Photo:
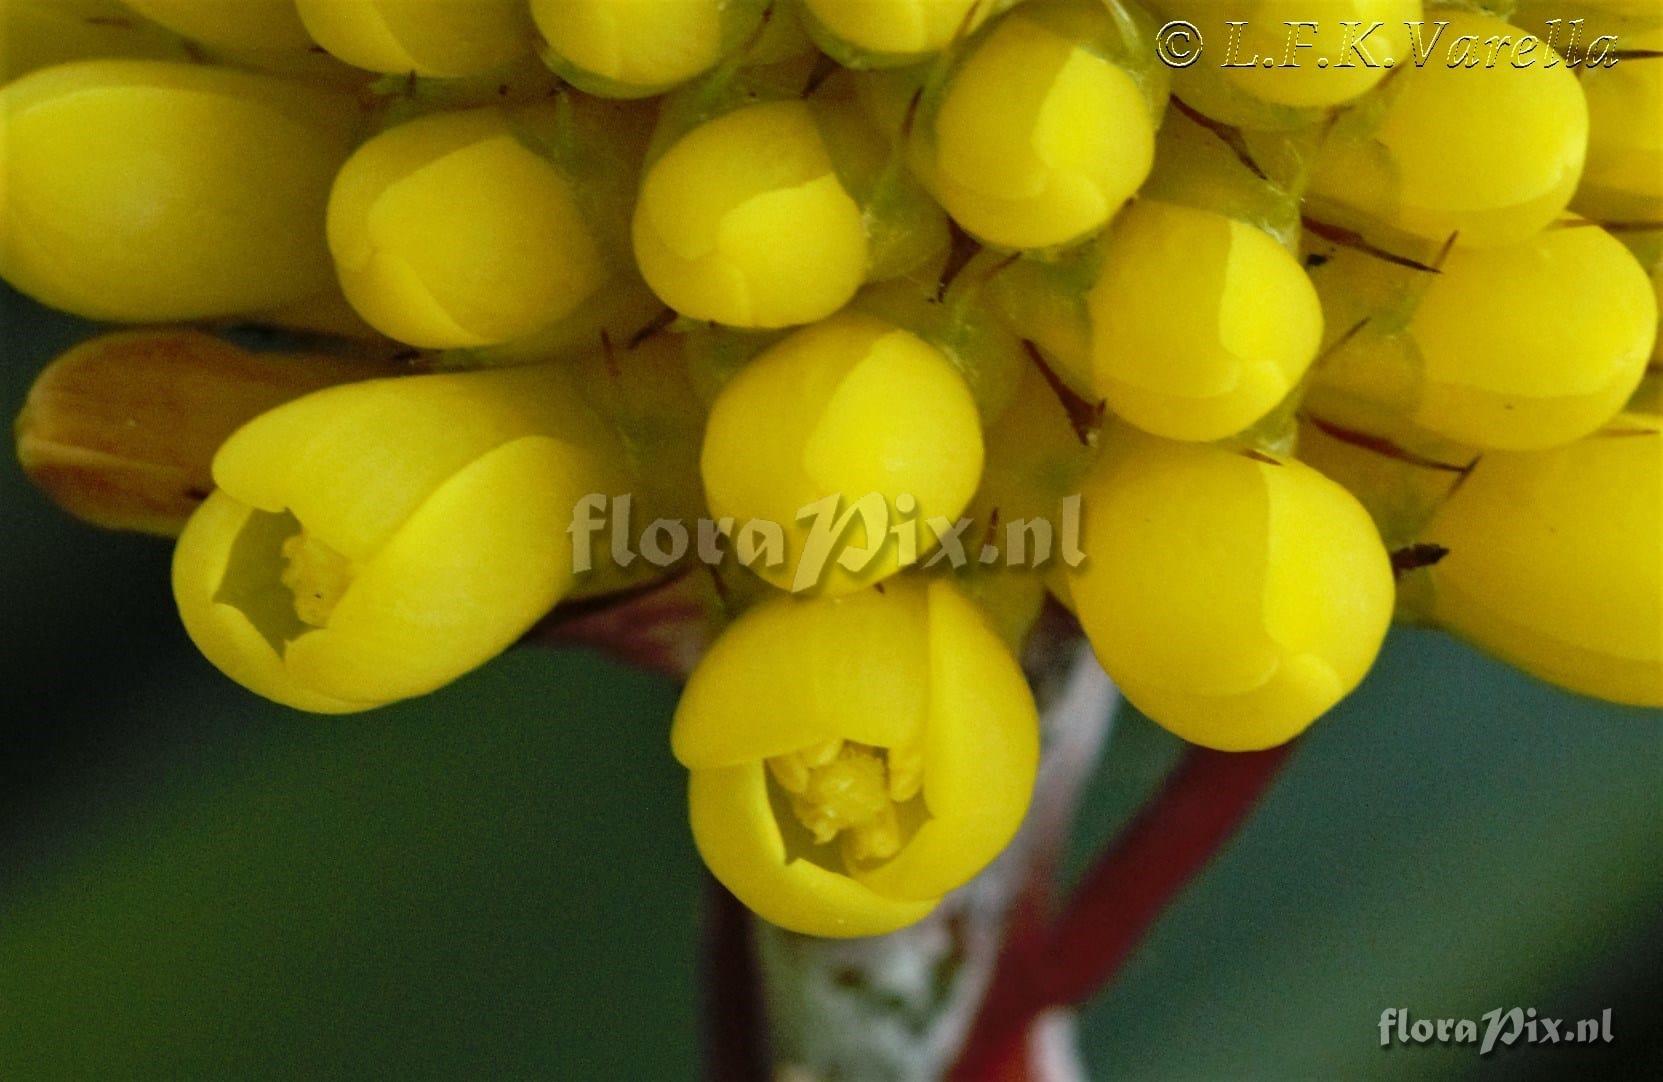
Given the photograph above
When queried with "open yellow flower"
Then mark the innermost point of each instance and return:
(375, 541)
(854, 759)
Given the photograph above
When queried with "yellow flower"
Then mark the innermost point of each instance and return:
(636, 48)
(1513, 348)
(854, 759)
(1192, 324)
(855, 411)
(1555, 561)
(1040, 137)
(881, 33)
(1624, 176)
(745, 221)
(41, 33)
(249, 24)
(1500, 164)
(450, 231)
(145, 191)
(428, 37)
(375, 541)
(1234, 597)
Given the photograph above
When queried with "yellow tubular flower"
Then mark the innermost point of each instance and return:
(144, 191)
(449, 231)
(1555, 561)
(744, 221)
(255, 25)
(1039, 138)
(858, 411)
(636, 48)
(886, 33)
(853, 759)
(375, 541)
(1234, 597)
(428, 37)
(1458, 145)
(1200, 324)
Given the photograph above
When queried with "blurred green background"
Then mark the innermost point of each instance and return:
(497, 880)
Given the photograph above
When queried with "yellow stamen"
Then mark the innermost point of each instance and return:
(317, 575)
(790, 771)
(879, 839)
(906, 773)
(850, 789)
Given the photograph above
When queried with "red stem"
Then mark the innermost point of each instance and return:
(735, 1050)
(1202, 805)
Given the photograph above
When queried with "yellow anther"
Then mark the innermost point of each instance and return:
(906, 773)
(790, 771)
(821, 754)
(837, 787)
(317, 575)
(879, 839)
(847, 792)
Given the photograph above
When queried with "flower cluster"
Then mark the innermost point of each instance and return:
(1314, 349)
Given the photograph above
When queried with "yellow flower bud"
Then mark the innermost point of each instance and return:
(1200, 324)
(853, 759)
(1234, 597)
(1515, 348)
(1623, 179)
(37, 34)
(885, 33)
(744, 221)
(428, 37)
(450, 231)
(1491, 152)
(375, 541)
(1555, 561)
(255, 25)
(636, 48)
(856, 412)
(143, 191)
(1039, 136)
